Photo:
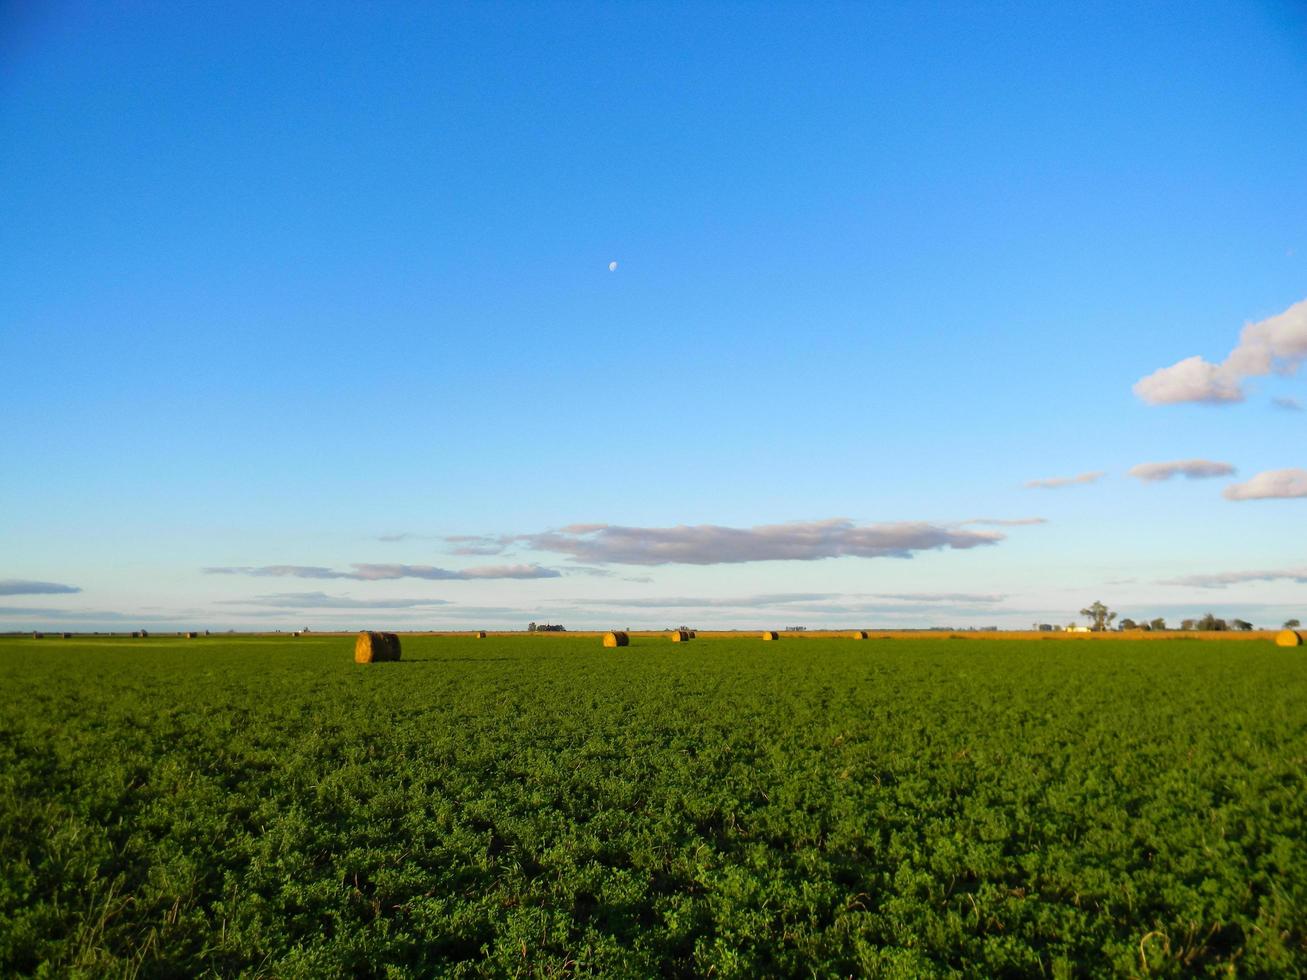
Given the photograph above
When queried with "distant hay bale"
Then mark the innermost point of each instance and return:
(616, 639)
(680, 636)
(192, 635)
(296, 634)
(694, 634)
(372, 648)
(771, 635)
(1288, 638)
(858, 635)
(481, 634)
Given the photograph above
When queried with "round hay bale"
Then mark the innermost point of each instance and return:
(373, 648)
(616, 639)
(771, 635)
(858, 635)
(1288, 638)
(481, 634)
(680, 636)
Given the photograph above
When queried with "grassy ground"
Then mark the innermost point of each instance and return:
(542, 806)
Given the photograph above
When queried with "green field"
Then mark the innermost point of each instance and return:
(542, 806)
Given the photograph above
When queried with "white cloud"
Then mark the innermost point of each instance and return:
(1057, 482)
(1278, 343)
(1273, 484)
(376, 573)
(708, 544)
(1190, 380)
(1287, 404)
(19, 586)
(1190, 469)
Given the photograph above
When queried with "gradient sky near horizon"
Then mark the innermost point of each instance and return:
(307, 317)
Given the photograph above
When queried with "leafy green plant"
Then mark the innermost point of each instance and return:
(502, 806)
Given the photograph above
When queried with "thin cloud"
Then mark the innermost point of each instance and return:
(1278, 344)
(708, 544)
(699, 602)
(1287, 404)
(1005, 521)
(478, 544)
(1220, 580)
(1190, 469)
(385, 572)
(320, 600)
(1058, 482)
(976, 597)
(21, 586)
(1273, 484)
(808, 601)
(53, 616)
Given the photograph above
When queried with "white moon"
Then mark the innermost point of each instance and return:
(612, 266)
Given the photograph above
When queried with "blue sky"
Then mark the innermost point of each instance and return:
(278, 284)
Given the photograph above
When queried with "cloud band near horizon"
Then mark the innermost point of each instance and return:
(710, 544)
(20, 586)
(364, 572)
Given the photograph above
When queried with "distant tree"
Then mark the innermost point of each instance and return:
(1157, 624)
(1099, 616)
(1129, 624)
(1241, 624)
(1187, 624)
(1211, 624)
(1291, 624)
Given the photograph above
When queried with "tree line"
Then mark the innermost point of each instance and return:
(1101, 618)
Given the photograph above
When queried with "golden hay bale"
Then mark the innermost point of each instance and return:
(771, 635)
(372, 648)
(481, 634)
(616, 639)
(680, 636)
(858, 635)
(1288, 638)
